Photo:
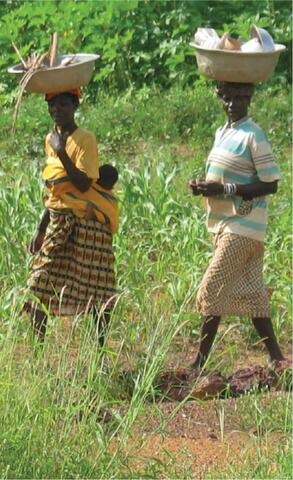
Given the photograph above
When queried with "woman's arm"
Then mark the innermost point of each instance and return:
(257, 189)
(44, 222)
(78, 178)
(38, 238)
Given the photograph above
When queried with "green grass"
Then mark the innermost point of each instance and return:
(264, 464)
(51, 402)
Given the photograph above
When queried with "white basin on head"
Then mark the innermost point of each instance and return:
(60, 78)
(237, 66)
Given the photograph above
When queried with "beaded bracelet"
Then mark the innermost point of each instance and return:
(229, 188)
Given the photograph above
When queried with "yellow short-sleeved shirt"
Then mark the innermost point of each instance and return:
(81, 147)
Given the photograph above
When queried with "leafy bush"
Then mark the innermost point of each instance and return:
(140, 42)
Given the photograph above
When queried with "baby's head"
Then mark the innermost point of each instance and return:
(108, 176)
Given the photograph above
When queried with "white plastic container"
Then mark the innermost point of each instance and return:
(251, 46)
(263, 37)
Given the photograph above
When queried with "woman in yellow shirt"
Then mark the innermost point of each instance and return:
(72, 270)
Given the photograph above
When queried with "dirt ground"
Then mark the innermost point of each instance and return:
(194, 439)
(194, 458)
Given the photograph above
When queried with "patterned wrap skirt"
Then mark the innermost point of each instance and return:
(233, 283)
(74, 270)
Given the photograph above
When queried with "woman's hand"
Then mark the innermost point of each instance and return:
(192, 184)
(58, 140)
(89, 213)
(36, 242)
(209, 189)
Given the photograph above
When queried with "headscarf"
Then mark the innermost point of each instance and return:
(229, 88)
(73, 91)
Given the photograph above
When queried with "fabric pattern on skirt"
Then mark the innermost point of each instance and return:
(73, 271)
(233, 283)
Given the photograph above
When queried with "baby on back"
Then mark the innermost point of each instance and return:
(98, 202)
(106, 181)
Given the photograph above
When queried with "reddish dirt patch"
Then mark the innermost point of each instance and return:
(189, 438)
(196, 456)
(183, 454)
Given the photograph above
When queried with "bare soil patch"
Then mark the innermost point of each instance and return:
(189, 437)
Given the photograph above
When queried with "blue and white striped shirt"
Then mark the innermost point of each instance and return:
(241, 154)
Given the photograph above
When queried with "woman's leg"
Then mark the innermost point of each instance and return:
(208, 332)
(101, 320)
(265, 329)
(39, 323)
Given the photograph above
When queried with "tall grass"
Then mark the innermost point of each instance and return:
(54, 403)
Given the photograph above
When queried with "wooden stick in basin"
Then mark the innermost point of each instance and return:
(54, 49)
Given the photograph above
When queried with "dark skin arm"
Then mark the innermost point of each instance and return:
(257, 189)
(78, 178)
(38, 238)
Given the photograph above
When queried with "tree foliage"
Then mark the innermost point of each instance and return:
(140, 41)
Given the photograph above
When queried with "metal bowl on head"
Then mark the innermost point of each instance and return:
(237, 66)
(61, 77)
(263, 37)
